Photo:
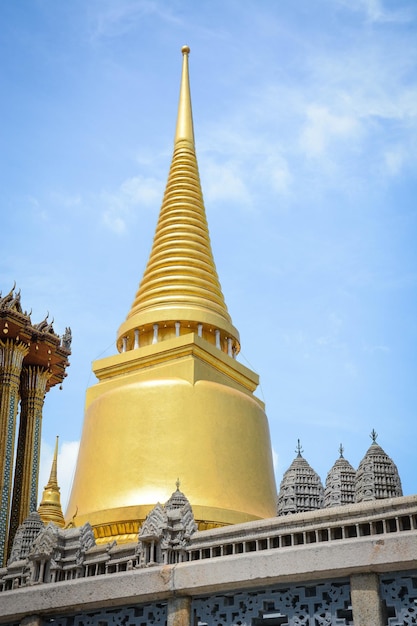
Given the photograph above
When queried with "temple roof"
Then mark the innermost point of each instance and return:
(45, 348)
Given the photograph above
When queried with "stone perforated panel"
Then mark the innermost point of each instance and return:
(399, 592)
(154, 614)
(325, 604)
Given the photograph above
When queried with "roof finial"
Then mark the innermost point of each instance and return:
(177, 484)
(373, 435)
(53, 478)
(299, 449)
(341, 449)
(185, 130)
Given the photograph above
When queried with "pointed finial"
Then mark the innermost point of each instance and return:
(299, 449)
(177, 484)
(185, 129)
(341, 449)
(373, 435)
(53, 478)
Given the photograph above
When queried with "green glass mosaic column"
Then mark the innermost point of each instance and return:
(33, 382)
(12, 354)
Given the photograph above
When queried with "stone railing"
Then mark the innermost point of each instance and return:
(350, 522)
(331, 527)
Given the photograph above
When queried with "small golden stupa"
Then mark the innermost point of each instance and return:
(174, 403)
(50, 507)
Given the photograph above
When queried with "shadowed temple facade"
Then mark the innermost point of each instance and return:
(183, 524)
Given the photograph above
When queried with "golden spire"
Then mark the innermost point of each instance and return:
(180, 284)
(50, 506)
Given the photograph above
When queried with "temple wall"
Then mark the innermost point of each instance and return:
(360, 600)
(351, 565)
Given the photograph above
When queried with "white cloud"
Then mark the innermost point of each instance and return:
(375, 11)
(224, 181)
(323, 127)
(136, 192)
(116, 19)
(274, 169)
(114, 222)
(394, 160)
(65, 200)
(372, 349)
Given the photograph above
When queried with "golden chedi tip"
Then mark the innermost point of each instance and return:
(180, 290)
(50, 507)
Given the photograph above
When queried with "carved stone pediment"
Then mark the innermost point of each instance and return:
(154, 524)
(45, 543)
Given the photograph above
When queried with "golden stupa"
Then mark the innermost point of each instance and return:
(50, 507)
(175, 403)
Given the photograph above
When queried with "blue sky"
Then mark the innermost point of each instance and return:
(305, 124)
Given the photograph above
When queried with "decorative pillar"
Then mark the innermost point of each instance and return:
(12, 354)
(366, 601)
(25, 488)
(179, 612)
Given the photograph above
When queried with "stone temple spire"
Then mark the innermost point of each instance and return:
(180, 290)
(50, 507)
(301, 488)
(340, 483)
(377, 475)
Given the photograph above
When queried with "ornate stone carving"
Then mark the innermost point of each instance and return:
(87, 539)
(340, 483)
(377, 475)
(301, 488)
(166, 531)
(45, 543)
(25, 537)
(67, 339)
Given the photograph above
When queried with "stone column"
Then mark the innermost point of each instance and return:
(179, 612)
(12, 354)
(366, 601)
(25, 489)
